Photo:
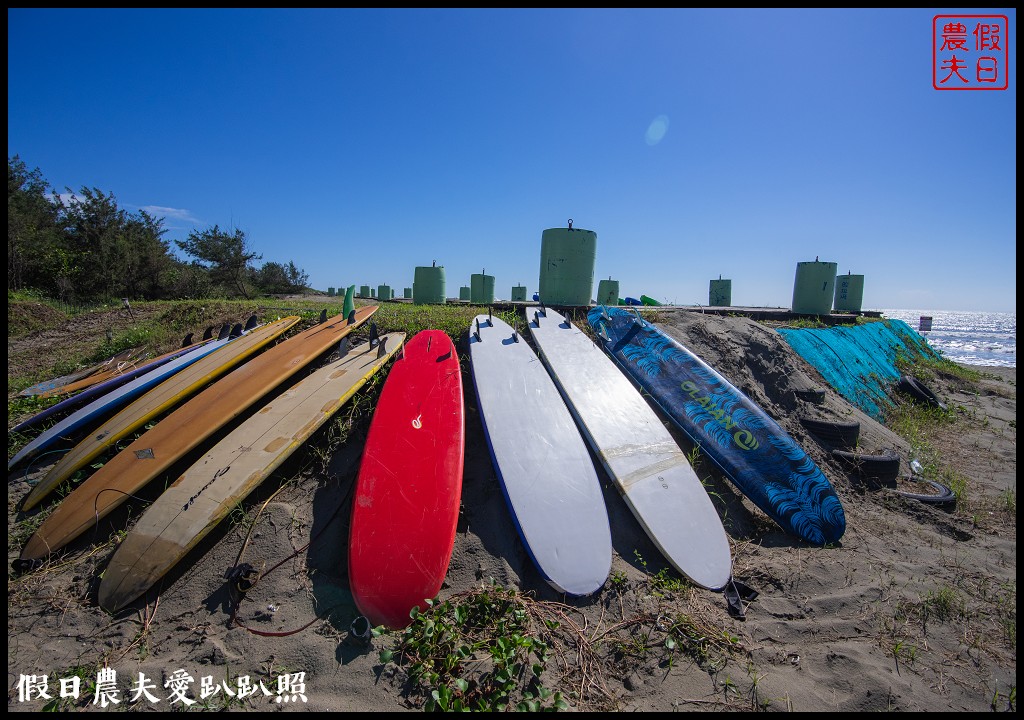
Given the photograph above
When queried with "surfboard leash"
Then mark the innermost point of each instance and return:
(243, 576)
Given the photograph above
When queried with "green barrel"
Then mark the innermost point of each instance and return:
(428, 286)
(849, 293)
(567, 257)
(608, 292)
(720, 293)
(481, 289)
(814, 287)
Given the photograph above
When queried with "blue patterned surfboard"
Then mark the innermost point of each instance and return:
(753, 451)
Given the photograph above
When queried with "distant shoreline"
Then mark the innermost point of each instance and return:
(1002, 371)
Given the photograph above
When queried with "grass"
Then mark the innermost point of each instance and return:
(483, 650)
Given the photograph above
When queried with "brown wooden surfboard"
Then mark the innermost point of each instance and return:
(182, 431)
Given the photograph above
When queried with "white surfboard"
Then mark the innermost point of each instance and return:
(546, 472)
(650, 470)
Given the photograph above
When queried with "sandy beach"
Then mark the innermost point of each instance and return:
(914, 610)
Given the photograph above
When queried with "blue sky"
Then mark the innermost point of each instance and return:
(360, 144)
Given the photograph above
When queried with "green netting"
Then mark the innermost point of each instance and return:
(860, 361)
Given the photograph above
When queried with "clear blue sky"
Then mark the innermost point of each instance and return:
(360, 144)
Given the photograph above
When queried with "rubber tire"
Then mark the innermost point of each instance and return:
(944, 495)
(841, 434)
(881, 469)
(919, 391)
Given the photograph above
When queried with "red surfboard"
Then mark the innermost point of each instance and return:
(406, 503)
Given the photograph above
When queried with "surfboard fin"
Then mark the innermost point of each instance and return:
(536, 318)
(477, 333)
(343, 348)
(236, 331)
(374, 334)
(490, 322)
(351, 317)
(187, 341)
(737, 593)
(241, 576)
(323, 316)
(381, 347)
(252, 322)
(209, 333)
(224, 332)
(602, 332)
(515, 330)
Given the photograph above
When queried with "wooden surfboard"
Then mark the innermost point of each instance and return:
(101, 388)
(112, 370)
(58, 383)
(406, 503)
(546, 473)
(639, 454)
(163, 388)
(753, 451)
(234, 467)
(82, 418)
(183, 430)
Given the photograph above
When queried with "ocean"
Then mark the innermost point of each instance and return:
(969, 338)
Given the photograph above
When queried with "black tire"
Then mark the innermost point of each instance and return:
(943, 495)
(881, 469)
(841, 434)
(916, 389)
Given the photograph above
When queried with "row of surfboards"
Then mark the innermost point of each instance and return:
(538, 413)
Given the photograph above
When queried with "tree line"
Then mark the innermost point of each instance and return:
(82, 247)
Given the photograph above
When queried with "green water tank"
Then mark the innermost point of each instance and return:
(383, 292)
(518, 293)
(330, 292)
(567, 257)
(608, 292)
(407, 293)
(464, 293)
(481, 289)
(814, 287)
(364, 291)
(428, 286)
(720, 293)
(373, 292)
(849, 293)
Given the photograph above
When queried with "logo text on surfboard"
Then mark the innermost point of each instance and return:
(743, 438)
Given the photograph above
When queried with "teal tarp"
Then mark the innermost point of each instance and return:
(860, 361)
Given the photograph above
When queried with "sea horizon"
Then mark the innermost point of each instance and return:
(967, 337)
